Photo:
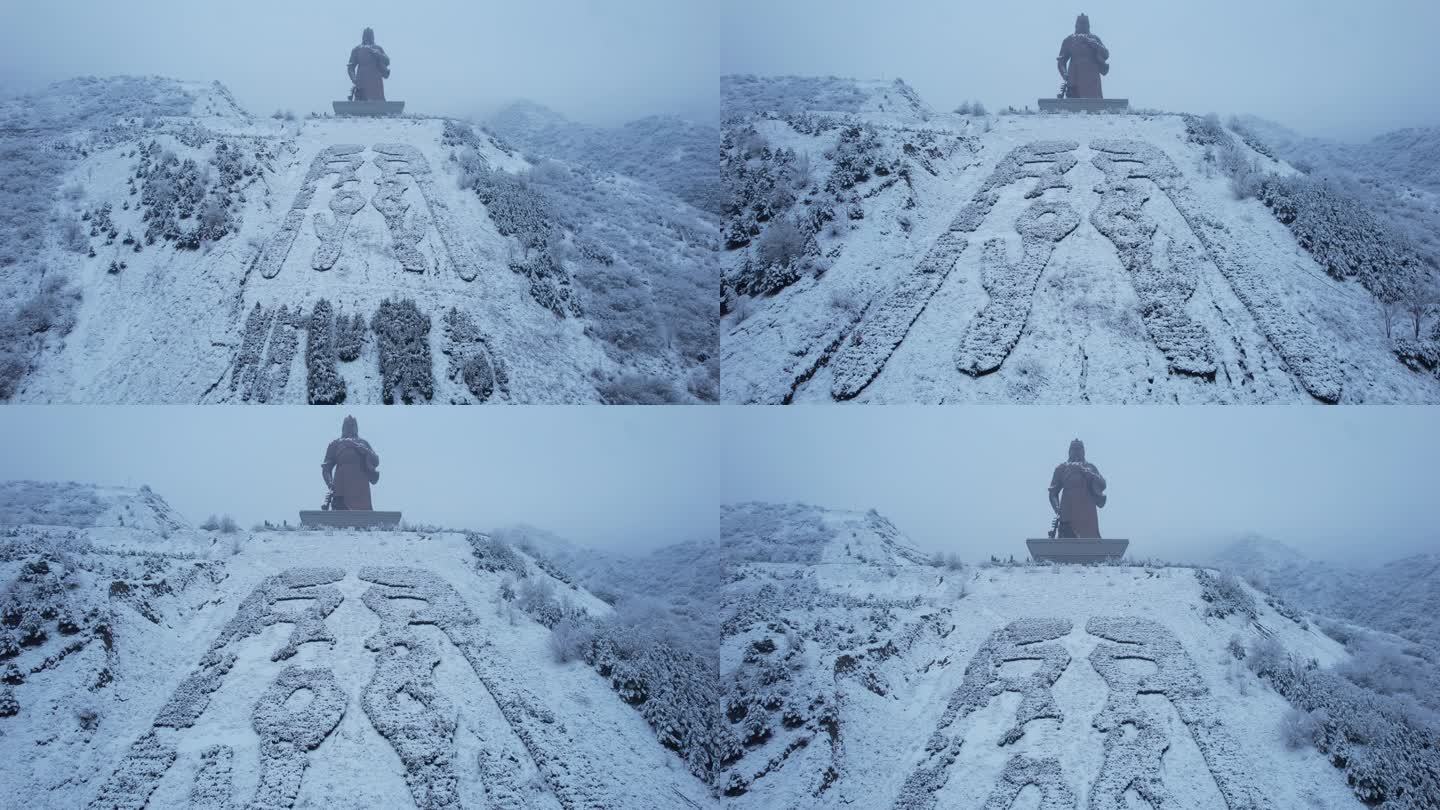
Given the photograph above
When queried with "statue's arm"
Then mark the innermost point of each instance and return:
(327, 467)
(1062, 62)
(353, 64)
(1055, 490)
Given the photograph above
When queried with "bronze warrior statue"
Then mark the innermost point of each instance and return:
(350, 467)
(369, 68)
(1076, 490)
(1082, 62)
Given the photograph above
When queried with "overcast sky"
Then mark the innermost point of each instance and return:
(625, 479)
(597, 61)
(1335, 483)
(1324, 67)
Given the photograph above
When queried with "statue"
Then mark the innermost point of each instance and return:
(369, 68)
(1076, 490)
(1082, 62)
(349, 469)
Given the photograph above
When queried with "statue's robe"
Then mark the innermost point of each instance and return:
(1082, 55)
(1082, 491)
(352, 461)
(370, 66)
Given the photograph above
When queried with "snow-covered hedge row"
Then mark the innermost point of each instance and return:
(473, 360)
(1384, 743)
(872, 341)
(402, 335)
(1307, 358)
(1163, 291)
(1022, 639)
(1343, 235)
(1136, 735)
(996, 328)
(323, 383)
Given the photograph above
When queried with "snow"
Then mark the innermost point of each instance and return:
(1209, 300)
(354, 212)
(887, 684)
(319, 668)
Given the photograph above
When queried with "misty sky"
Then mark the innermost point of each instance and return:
(1347, 70)
(625, 479)
(1336, 483)
(596, 61)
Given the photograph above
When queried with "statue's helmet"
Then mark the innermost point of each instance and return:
(367, 37)
(1077, 450)
(349, 429)
(1082, 24)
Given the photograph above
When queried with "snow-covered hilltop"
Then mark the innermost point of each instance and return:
(163, 245)
(853, 678)
(420, 667)
(879, 251)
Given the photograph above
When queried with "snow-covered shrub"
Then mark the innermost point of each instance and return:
(1385, 744)
(402, 335)
(1343, 235)
(1301, 729)
(570, 640)
(49, 312)
(970, 108)
(349, 337)
(1225, 595)
(639, 389)
(324, 384)
(472, 359)
(536, 596)
(494, 555)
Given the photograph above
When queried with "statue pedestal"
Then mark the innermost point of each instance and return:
(1086, 105)
(1077, 550)
(349, 518)
(368, 108)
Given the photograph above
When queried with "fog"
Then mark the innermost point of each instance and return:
(1335, 69)
(624, 479)
(1342, 484)
(597, 62)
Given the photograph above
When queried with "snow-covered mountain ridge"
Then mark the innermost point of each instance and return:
(882, 252)
(166, 246)
(308, 668)
(854, 681)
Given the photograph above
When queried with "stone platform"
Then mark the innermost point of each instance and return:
(1087, 105)
(1077, 550)
(349, 518)
(370, 108)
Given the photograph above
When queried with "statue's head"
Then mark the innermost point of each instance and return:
(367, 37)
(1077, 450)
(1082, 24)
(349, 429)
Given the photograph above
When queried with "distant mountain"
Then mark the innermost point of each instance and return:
(84, 506)
(1400, 597)
(668, 152)
(748, 95)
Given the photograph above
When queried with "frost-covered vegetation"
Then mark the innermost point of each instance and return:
(402, 334)
(667, 152)
(656, 648)
(1370, 716)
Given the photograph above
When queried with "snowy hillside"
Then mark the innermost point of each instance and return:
(881, 252)
(83, 506)
(668, 152)
(307, 668)
(864, 680)
(162, 245)
(1400, 596)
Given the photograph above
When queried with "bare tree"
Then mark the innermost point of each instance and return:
(1389, 311)
(1419, 299)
